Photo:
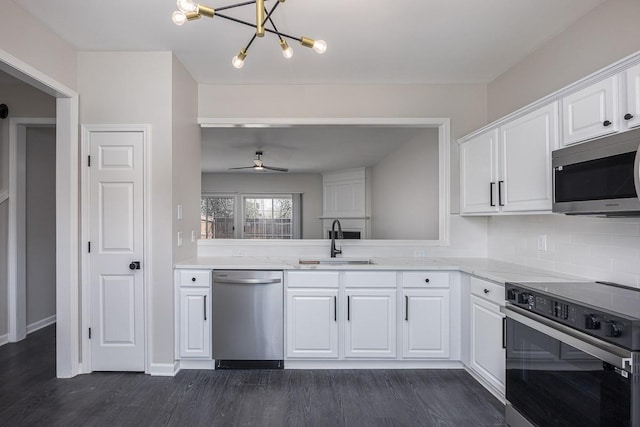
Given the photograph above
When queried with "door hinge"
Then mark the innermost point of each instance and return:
(89, 333)
(89, 161)
(89, 247)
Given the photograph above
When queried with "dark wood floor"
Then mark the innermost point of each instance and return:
(30, 395)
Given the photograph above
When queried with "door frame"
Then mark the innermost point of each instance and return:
(16, 244)
(86, 130)
(67, 226)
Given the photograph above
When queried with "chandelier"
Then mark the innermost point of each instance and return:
(188, 10)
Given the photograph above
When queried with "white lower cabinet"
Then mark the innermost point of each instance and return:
(312, 323)
(195, 323)
(370, 328)
(487, 353)
(425, 325)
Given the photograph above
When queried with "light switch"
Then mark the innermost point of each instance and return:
(179, 238)
(193, 236)
(179, 211)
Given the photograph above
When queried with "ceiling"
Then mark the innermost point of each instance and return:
(305, 149)
(369, 41)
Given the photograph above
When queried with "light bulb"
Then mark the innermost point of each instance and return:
(320, 46)
(178, 17)
(187, 6)
(237, 62)
(287, 52)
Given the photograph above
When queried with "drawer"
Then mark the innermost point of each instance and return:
(194, 278)
(313, 279)
(425, 279)
(487, 290)
(370, 279)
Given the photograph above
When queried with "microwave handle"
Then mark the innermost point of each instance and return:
(636, 171)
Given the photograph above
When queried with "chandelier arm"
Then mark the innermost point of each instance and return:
(231, 6)
(246, 49)
(248, 24)
(273, 24)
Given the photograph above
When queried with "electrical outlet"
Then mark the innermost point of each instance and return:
(179, 238)
(542, 242)
(420, 253)
(179, 211)
(193, 236)
(237, 253)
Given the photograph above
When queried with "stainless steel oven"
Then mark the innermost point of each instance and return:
(570, 361)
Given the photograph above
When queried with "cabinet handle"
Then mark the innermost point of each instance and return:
(500, 184)
(606, 123)
(426, 280)
(205, 307)
(628, 116)
(504, 332)
(406, 308)
(486, 291)
(193, 279)
(348, 308)
(491, 184)
(335, 308)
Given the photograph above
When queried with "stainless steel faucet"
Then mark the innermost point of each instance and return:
(335, 251)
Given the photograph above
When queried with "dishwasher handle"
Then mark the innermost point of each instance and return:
(247, 281)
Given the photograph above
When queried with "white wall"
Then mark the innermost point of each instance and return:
(606, 34)
(464, 104)
(404, 191)
(25, 38)
(310, 185)
(136, 88)
(186, 159)
(40, 223)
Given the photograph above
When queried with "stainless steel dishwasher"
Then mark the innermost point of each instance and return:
(248, 319)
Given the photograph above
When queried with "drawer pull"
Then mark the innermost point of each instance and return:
(426, 280)
(606, 123)
(193, 279)
(486, 291)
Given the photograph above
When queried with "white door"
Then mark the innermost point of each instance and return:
(371, 323)
(195, 323)
(631, 115)
(116, 240)
(478, 170)
(525, 161)
(591, 112)
(487, 353)
(425, 327)
(312, 323)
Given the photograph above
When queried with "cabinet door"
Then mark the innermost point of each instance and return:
(591, 112)
(370, 329)
(525, 161)
(312, 323)
(195, 323)
(425, 325)
(486, 352)
(631, 115)
(478, 173)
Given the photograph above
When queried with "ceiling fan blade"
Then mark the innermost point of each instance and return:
(246, 167)
(272, 168)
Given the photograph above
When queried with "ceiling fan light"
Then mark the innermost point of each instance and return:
(187, 6)
(287, 52)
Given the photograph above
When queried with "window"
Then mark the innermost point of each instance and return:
(217, 217)
(261, 216)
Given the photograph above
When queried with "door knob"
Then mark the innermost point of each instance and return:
(135, 265)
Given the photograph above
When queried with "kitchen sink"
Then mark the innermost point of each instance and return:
(335, 261)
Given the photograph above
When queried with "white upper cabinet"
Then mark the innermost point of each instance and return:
(508, 169)
(525, 147)
(478, 174)
(591, 112)
(631, 115)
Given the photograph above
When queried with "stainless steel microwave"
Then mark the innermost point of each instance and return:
(599, 177)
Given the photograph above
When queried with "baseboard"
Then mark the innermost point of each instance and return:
(498, 394)
(164, 369)
(197, 364)
(4, 339)
(36, 326)
(372, 364)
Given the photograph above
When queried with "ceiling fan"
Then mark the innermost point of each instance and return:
(259, 165)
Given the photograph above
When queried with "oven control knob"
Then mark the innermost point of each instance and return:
(511, 294)
(591, 321)
(612, 329)
(523, 298)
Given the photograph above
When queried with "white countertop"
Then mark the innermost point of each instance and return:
(485, 268)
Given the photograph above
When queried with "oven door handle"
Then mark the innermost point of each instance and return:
(602, 350)
(636, 171)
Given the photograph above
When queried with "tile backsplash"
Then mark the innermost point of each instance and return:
(594, 248)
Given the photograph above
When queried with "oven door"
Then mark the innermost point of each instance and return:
(554, 379)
